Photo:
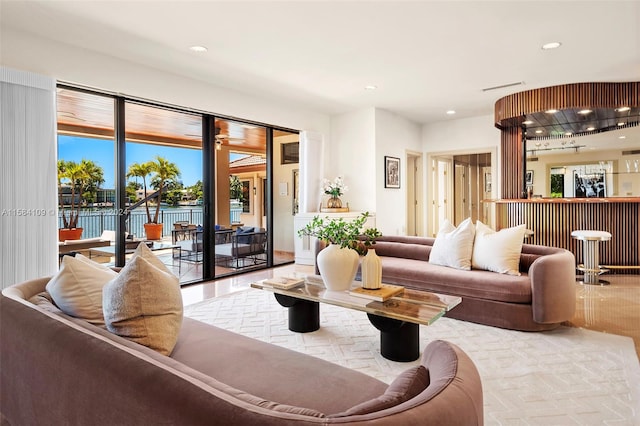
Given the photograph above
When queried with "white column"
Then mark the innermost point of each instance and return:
(28, 176)
(311, 170)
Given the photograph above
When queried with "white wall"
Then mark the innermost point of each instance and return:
(359, 142)
(462, 134)
(395, 135)
(351, 154)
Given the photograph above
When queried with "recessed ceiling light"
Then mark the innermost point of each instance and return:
(584, 111)
(623, 109)
(370, 87)
(551, 111)
(622, 137)
(451, 112)
(590, 129)
(568, 134)
(198, 49)
(527, 122)
(538, 131)
(552, 45)
(621, 124)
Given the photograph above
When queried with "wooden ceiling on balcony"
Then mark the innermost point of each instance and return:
(90, 115)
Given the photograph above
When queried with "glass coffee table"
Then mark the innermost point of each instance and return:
(397, 318)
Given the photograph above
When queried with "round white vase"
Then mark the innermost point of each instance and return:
(338, 267)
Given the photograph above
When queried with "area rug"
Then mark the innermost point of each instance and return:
(568, 376)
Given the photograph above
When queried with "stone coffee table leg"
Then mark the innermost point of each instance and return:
(399, 340)
(304, 315)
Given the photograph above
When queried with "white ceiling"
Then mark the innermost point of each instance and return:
(426, 57)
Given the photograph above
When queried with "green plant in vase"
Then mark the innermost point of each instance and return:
(338, 262)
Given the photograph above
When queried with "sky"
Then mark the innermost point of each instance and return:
(101, 152)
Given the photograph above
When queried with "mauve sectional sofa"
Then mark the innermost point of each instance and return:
(541, 298)
(60, 370)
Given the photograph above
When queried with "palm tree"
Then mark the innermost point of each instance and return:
(142, 171)
(164, 172)
(94, 177)
(83, 177)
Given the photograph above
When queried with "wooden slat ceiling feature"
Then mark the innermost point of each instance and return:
(603, 100)
(570, 122)
(91, 115)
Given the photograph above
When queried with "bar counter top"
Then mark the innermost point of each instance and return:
(537, 200)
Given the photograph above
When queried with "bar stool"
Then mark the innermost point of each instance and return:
(591, 266)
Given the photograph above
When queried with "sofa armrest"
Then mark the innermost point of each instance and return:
(553, 287)
(452, 396)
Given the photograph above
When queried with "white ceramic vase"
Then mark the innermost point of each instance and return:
(371, 268)
(337, 266)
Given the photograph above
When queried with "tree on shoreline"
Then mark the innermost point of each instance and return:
(84, 179)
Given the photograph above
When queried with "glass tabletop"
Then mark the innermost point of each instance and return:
(416, 306)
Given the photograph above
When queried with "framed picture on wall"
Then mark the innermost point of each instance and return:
(529, 177)
(590, 185)
(391, 172)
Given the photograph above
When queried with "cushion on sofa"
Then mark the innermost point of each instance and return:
(498, 251)
(243, 234)
(144, 303)
(406, 386)
(77, 288)
(453, 246)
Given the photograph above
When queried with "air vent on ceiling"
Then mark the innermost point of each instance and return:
(532, 159)
(503, 86)
(632, 152)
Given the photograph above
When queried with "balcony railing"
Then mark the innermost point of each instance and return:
(95, 221)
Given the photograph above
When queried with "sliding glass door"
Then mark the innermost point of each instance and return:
(219, 193)
(164, 186)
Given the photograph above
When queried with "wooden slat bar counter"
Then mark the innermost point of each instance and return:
(553, 219)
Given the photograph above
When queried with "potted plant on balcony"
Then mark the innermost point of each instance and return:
(83, 179)
(162, 172)
(338, 262)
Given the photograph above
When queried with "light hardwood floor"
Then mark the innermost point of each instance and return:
(613, 308)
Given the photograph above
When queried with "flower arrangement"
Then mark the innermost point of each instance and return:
(335, 188)
(340, 232)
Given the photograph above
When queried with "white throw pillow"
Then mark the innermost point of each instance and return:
(144, 303)
(498, 251)
(77, 288)
(453, 246)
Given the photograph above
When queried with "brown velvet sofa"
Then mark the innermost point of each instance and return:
(540, 299)
(60, 370)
